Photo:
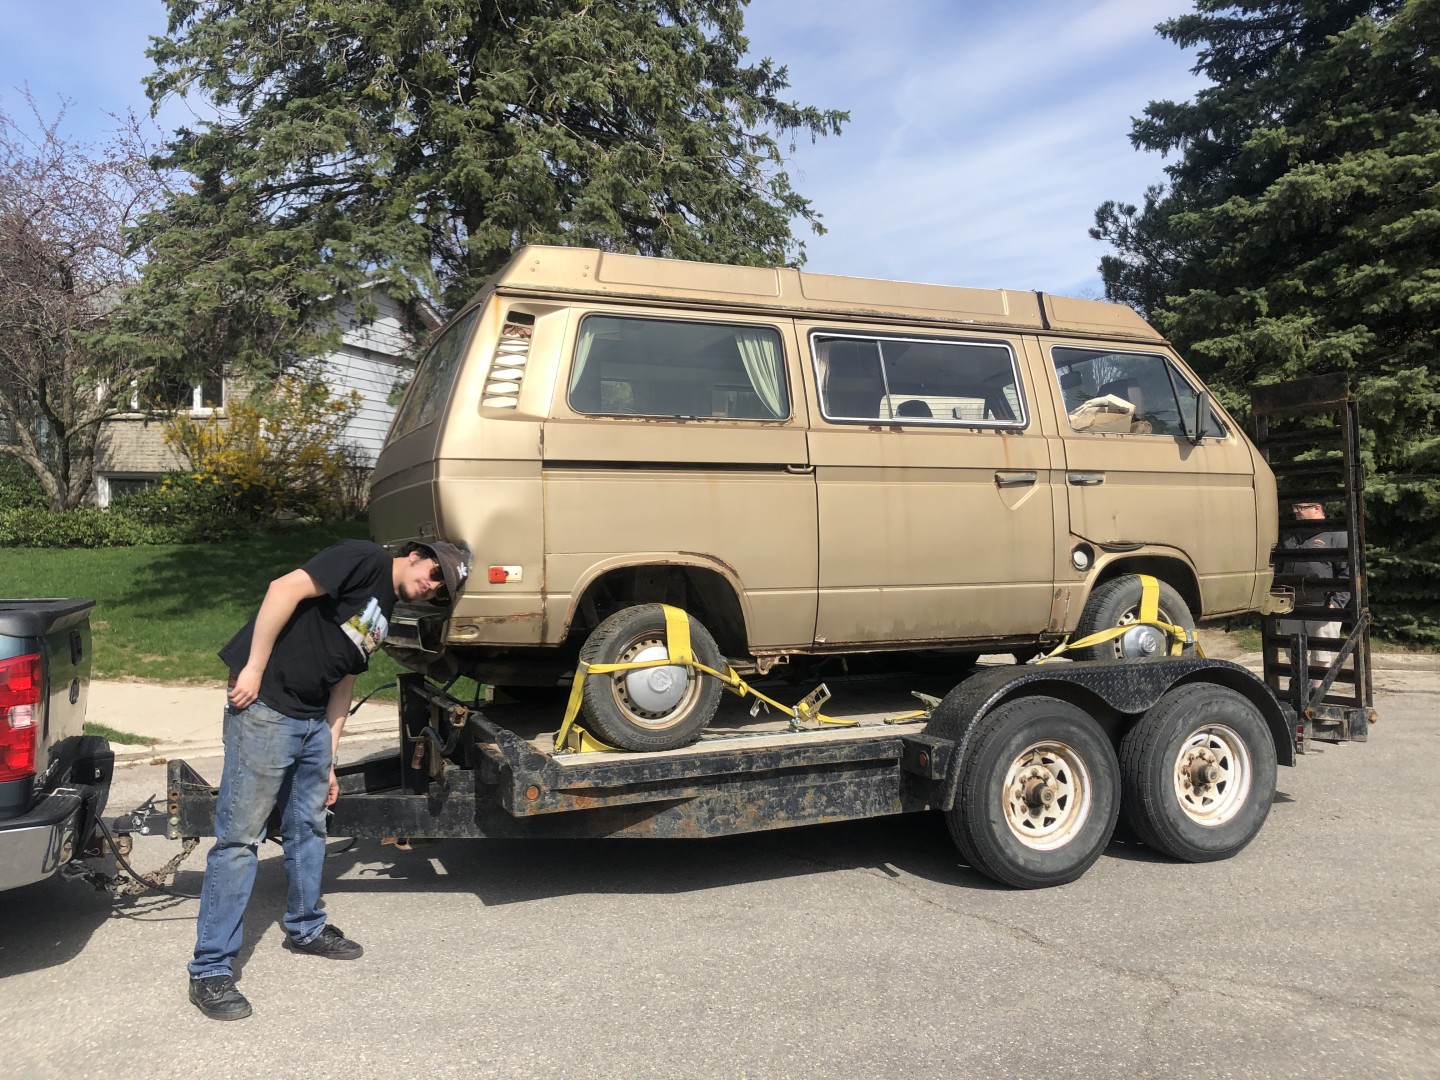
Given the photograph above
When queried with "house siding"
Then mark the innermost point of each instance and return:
(374, 356)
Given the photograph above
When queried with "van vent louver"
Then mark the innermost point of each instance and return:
(507, 369)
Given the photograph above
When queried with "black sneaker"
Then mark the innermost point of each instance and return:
(329, 943)
(218, 999)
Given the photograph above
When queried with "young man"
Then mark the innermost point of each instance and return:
(292, 674)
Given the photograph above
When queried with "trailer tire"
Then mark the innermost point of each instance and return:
(1117, 603)
(658, 708)
(1198, 773)
(1003, 821)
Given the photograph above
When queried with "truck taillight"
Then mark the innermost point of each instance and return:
(21, 680)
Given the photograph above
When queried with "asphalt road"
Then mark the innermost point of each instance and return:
(849, 951)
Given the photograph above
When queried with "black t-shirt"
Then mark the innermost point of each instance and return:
(328, 637)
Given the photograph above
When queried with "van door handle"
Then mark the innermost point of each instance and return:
(800, 469)
(1014, 479)
(1085, 479)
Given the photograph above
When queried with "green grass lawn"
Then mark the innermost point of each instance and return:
(161, 612)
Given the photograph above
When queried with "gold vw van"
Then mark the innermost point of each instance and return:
(808, 465)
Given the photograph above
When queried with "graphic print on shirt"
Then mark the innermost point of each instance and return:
(368, 628)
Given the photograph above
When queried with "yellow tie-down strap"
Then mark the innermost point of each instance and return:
(1148, 615)
(804, 715)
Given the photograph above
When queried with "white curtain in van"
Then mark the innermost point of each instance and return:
(582, 355)
(761, 356)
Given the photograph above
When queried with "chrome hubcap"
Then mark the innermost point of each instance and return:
(652, 692)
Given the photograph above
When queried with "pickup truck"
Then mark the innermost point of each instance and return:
(54, 779)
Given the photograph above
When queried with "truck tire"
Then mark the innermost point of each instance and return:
(1039, 794)
(1117, 603)
(1198, 773)
(656, 708)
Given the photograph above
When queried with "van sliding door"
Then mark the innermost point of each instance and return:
(933, 483)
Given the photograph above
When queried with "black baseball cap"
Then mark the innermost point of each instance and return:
(454, 562)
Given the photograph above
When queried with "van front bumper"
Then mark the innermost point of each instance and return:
(34, 845)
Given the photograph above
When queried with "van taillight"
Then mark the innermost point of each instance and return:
(20, 685)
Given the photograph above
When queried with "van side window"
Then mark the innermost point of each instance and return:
(431, 385)
(663, 367)
(914, 381)
(1127, 392)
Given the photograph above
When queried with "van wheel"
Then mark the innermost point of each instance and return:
(1198, 772)
(656, 708)
(1039, 794)
(1117, 603)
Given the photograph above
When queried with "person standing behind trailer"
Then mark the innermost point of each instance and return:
(292, 677)
(1313, 593)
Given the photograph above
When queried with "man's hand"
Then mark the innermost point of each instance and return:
(334, 792)
(247, 686)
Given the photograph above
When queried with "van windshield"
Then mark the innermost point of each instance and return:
(433, 378)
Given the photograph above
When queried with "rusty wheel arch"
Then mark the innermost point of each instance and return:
(702, 591)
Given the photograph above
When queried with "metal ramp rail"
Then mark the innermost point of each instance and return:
(1308, 430)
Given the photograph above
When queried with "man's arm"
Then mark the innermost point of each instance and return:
(281, 599)
(336, 712)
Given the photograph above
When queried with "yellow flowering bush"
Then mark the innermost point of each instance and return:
(278, 453)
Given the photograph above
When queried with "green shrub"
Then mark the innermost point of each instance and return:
(184, 509)
(187, 511)
(19, 490)
(86, 528)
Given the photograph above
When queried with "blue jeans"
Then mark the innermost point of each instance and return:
(270, 759)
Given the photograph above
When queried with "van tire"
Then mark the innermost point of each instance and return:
(1042, 743)
(1116, 603)
(647, 709)
(1163, 801)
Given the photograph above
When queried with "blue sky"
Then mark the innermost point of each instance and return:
(982, 135)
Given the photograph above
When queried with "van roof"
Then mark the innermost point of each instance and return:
(570, 271)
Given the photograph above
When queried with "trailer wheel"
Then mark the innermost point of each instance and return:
(1039, 794)
(656, 708)
(1117, 603)
(1198, 773)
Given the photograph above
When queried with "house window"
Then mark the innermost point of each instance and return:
(111, 488)
(177, 395)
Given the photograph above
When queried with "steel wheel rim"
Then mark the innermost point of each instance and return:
(1038, 822)
(652, 697)
(1212, 775)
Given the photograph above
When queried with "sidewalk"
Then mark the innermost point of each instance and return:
(187, 719)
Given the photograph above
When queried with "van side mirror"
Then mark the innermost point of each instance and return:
(1202, 417)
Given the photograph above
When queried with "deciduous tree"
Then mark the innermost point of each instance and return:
(65, 208)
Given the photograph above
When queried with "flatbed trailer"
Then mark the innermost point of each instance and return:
(1030, 764)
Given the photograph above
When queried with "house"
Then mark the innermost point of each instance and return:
(375, 358)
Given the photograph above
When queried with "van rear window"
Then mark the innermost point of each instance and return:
(434, 376)
(625, 366)
(916, 381)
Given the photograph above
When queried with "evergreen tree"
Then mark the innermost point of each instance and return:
(424, 140)
(1297, 233)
